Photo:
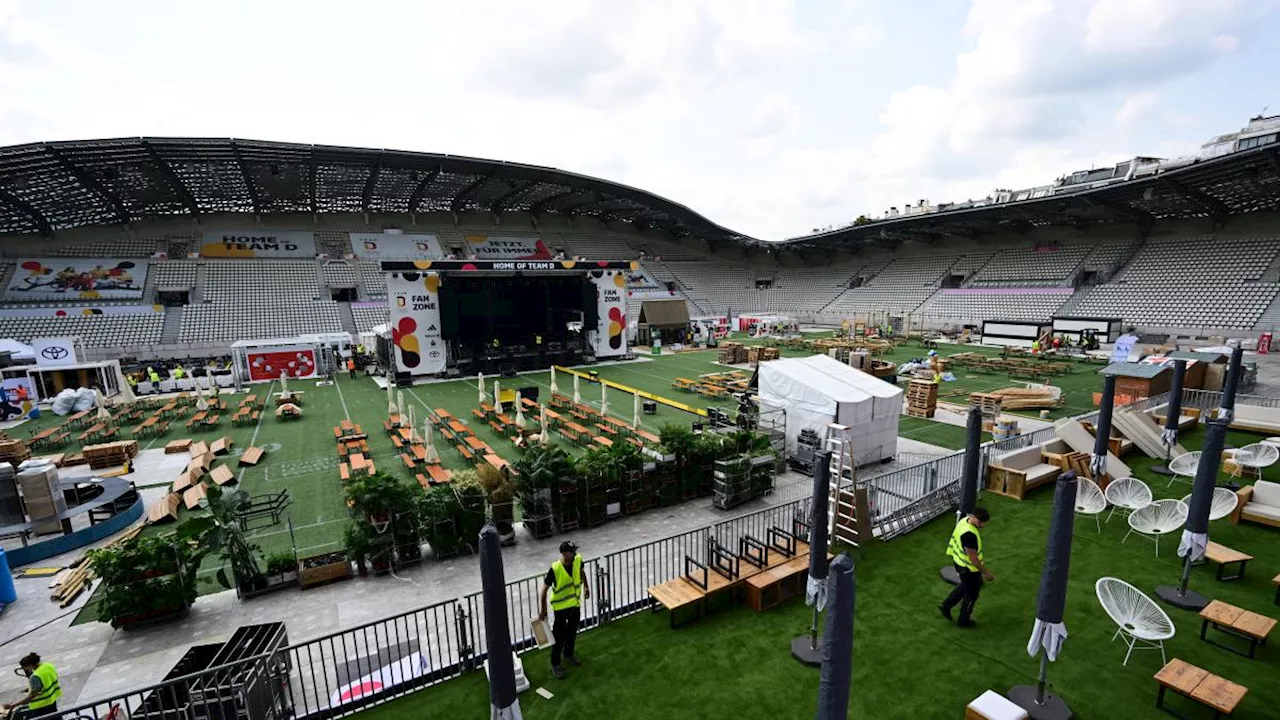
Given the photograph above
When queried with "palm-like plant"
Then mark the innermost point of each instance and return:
(219, 532)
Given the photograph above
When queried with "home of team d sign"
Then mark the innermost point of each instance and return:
(256, 243)
(259, 244)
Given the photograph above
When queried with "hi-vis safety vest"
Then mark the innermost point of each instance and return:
(956, 551)
(568, 588)
(50, 691)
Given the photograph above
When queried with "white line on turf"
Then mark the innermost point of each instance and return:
(338, 384)
(256, 428)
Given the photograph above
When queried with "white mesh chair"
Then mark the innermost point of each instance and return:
(1137, 617)
(1184, 467)
(1159, 518)
(1224, 503)
(1126, 495)
(1254, 458)
(1090, 500)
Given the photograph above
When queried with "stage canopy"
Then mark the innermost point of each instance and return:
(818, 390)
(664, 314)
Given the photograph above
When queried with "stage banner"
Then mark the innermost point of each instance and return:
(48, 312)
(415, 322)
(79, 278)
(296, 361)
(485, 247)
(258, 244)
(611, 306)
(380, 246)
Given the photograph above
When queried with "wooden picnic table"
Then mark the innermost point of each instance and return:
(458, 427)
(358, 462)
(406, 434)
(200, 416)
(443, 414)
(528, 403)
(580, 430)
(474, 442)
(78, 419)
(419, 453)
(603, 441)
(496, 461)
(347, 426)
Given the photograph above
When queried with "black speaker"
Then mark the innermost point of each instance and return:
(529, 393)
(590, 311)
(448, 313)
(404, 379)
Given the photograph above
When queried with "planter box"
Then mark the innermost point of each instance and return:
(275, 583)
(147, 619)
(321, 569)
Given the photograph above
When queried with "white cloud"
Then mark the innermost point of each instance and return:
(1137, 107)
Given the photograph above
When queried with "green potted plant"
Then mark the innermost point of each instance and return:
(282, 569)
(538, 472)
(146, 579)
(219, 531)
(438, 511)
(382, 509)
(472, 499)
(501, 491)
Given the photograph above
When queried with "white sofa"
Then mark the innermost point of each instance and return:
(1259, 502)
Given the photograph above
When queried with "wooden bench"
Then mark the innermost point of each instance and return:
(478, 414)
(466, 453)
(252, 455)
(1237, 622)
(344, 471)
(439, 476)
(255, 416)
(1223, 557)
(1214, 692)
(408, 461)
(1276, 581)
(700, 581)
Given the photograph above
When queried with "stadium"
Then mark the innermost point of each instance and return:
(262, 397)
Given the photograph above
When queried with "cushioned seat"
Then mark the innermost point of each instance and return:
(991, 705)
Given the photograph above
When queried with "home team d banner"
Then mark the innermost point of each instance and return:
(79, 278)
(258, 244)
(415, 322)
(485, 247)
(380, 246)
(611, 306)
(295, 361)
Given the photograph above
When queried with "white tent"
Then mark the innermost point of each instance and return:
(818, 390)
(17, 351)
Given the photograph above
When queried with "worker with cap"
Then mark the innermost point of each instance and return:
(568, 588)
(965, 550)
(43, 689)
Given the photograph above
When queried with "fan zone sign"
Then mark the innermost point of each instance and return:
(415, 322)
(611, 310)
(258, 244)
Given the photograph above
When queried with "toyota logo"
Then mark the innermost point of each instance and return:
(54, 352)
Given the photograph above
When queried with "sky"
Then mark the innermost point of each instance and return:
(770, 117)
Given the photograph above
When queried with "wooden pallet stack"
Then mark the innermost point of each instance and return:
(990, 405)
(732, 353)
(112, 454)
(14, 451)
(922, 398)
(769, 353)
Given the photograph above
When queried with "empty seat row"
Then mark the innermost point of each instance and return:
(113, 331)
(1010, 305)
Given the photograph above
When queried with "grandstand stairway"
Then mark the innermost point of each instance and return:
(172, 325)
(1269, 321)
(347, 319)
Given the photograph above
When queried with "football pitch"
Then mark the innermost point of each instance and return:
(302, 458)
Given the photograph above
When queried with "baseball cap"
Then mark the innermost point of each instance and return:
(568, 546)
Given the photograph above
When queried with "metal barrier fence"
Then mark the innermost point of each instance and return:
(339, 674)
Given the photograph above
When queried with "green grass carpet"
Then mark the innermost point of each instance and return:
(909, 663)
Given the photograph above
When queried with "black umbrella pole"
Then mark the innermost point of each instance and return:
(1044, 678)
(1186, 576)
(813, 630)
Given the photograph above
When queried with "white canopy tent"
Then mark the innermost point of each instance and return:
(818, 390)
(18, 352)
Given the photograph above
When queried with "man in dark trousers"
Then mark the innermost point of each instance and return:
(568, 588)
(965, 551)
(43, 689)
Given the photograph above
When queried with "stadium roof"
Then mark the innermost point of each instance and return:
(1238, 183)
(46, 187)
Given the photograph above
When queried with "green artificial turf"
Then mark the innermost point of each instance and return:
(909, 663)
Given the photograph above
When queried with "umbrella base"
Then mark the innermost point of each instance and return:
(1024, 696)
(807, 653)
(1162, 470)
(1191, 600)
(949, 575)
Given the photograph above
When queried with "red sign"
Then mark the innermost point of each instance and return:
(1264, 344)
(296, 362)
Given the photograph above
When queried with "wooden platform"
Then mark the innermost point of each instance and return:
(174, 447)
(222, 475)
(252, 455)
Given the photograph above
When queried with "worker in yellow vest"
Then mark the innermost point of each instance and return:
(568, 588)
(965, 551)
(43, 688)
(179, 373)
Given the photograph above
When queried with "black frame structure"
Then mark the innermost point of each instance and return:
(47, 187)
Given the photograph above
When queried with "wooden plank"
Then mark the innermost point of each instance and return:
(164, 509)
(192, 496)
(252, 455)
(198, 448)
(222, 475)
(222, 445)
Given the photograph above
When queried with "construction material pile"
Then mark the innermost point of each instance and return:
(1029, 398)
